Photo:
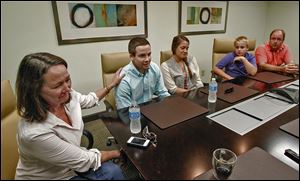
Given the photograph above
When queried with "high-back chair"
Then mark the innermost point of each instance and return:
(111, 62)
(222, 46)
(165, 55)
(9, 123)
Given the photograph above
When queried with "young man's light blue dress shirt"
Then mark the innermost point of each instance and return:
(139, 87)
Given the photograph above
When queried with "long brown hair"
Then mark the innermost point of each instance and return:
(175, 43)
(30, 104)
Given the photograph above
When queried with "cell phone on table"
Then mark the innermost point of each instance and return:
(138, 142)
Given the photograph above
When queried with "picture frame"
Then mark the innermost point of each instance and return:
(97, 21)
(202, 17)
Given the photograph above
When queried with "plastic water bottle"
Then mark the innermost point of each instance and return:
(135, 118)
(212, 91)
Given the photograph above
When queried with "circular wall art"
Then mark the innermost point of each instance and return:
(82, 15)
(204, 11)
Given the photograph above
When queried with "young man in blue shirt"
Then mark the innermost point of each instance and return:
(142, 79)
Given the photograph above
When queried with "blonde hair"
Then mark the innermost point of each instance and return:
(241, 38)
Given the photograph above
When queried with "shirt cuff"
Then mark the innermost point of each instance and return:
(96, 98)
(97, 158)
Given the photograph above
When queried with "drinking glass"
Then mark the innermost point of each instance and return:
(223, 162)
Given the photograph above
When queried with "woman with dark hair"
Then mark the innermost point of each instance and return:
(50, 131)
(181, 72)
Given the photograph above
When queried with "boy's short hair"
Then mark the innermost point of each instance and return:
(135, 42)
(241, 38)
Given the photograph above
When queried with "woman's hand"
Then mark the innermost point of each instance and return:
(101, 93)
(116, 79)
(108, 155)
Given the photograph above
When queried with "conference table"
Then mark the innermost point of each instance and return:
(184, 150)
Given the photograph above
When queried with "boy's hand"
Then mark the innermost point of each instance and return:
(238, 58)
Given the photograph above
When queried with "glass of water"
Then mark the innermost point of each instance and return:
(223, 162)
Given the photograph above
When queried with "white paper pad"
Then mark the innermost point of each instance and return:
(248, 115)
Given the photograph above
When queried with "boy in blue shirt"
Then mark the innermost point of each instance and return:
(239, 63)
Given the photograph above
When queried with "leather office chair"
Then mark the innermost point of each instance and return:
(111, 62)
(9, 123)
(222, 46)
(165, 55)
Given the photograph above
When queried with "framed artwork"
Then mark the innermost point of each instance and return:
(202, 17)
(94, 21)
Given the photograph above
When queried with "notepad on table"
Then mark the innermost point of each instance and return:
(171, 111)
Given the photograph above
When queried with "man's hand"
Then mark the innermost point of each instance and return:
(291, 68)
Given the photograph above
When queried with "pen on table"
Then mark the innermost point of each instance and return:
(229, 90)
(292, 155)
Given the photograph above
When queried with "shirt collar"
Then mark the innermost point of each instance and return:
(54, 121)
(135, 71)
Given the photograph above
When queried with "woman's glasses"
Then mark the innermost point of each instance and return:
(150, 136)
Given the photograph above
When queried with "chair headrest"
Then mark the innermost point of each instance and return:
(111, 62)
(222, 45)
(8, 99)
(165, 55)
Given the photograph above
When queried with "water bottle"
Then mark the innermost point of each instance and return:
(212, 91)
(135, 118)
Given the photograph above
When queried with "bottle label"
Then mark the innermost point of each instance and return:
(213, 88)
(134, 115)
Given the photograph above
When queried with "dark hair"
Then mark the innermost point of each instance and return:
(30, 104)
(135, 42)
(282, 31)
(175, 43)
(177, 40)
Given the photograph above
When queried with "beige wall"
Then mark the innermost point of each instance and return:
(285, 15)
(28, 27)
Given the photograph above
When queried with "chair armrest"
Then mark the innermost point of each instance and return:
(108, 106)
(90, 138)
(109, 101)
(218, 78)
